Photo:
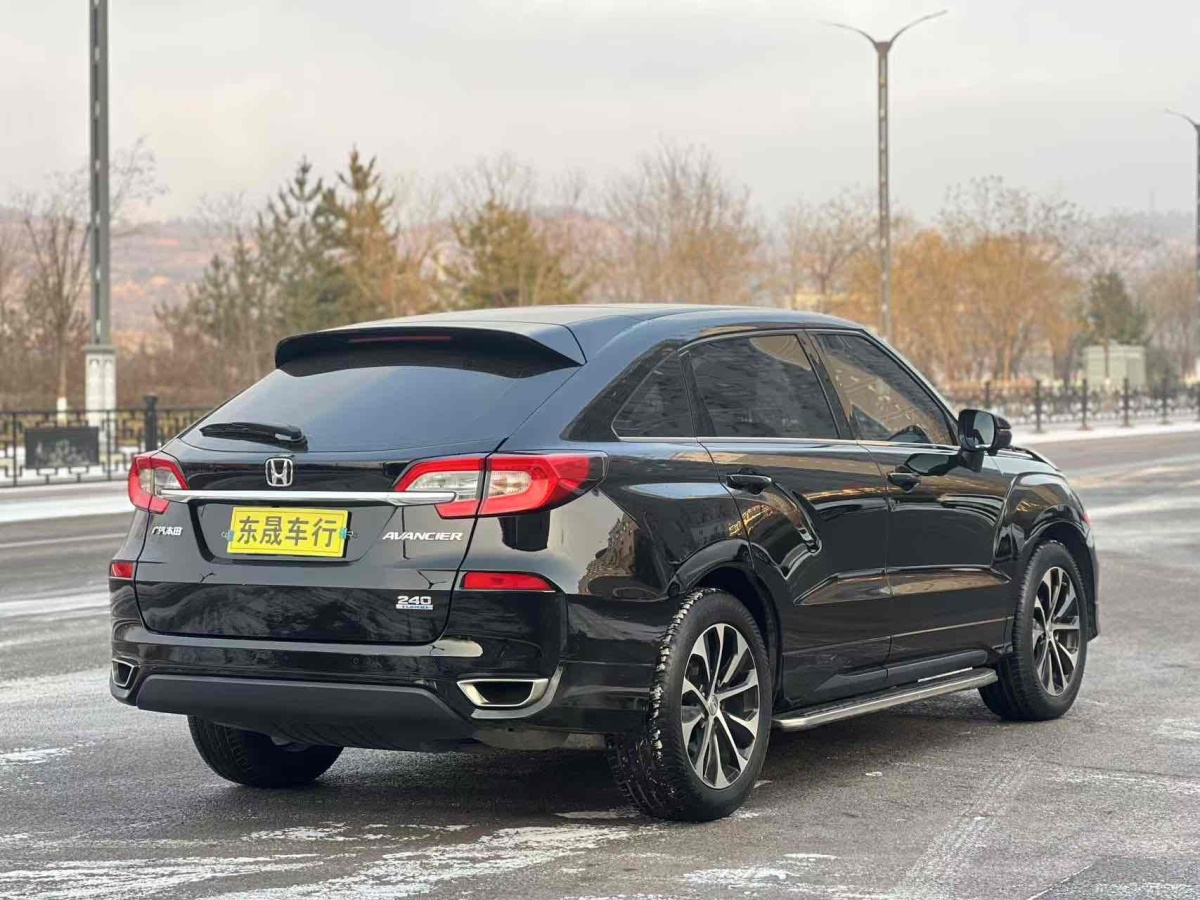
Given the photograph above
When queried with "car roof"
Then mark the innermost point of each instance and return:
(575, 314)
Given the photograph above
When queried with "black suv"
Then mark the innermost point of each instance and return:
(664, 530)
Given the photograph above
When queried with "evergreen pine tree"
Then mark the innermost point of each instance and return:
(1112, 316)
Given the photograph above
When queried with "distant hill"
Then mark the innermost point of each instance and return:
(154, 265)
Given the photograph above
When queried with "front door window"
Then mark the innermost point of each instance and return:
(882, 401)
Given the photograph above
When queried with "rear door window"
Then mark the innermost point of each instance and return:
(658, 407)
(398, 393)
(761, 387)
(882, 401)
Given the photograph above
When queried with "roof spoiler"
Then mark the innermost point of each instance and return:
(557, 340)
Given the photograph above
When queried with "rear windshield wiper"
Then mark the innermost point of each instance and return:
(287, 435)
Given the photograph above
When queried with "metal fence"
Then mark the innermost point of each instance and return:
(1075, 403)
(49, 447)
(53, 447)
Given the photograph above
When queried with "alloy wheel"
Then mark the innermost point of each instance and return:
(720, 705)
(1056, 631)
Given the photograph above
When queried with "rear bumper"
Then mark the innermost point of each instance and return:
(404, 697)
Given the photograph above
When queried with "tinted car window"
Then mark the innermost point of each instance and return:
(882, 400)
(658, 407)
(761, 387)
(389, 396)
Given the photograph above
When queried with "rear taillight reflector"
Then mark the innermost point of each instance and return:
(511, 483)
(504, 581)
(461, 474)
(120, 569)
(149, 475)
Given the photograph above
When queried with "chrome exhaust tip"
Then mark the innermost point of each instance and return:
(123, 673)
(503, 693)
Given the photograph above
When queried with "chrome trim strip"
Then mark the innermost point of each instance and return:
(810, 443)
(452, 647)
(952, 627)
(282, 495)
(935, 686)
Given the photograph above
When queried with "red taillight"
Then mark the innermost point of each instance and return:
(149, 475)
(120, 569)
(504, 581)
(512, 483)
(517, 484)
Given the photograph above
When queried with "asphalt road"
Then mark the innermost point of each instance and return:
(936, 800)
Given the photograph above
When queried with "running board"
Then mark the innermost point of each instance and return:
(869, 703)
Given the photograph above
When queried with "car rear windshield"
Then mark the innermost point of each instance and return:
(392, 394)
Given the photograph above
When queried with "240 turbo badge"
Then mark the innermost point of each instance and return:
(422, 602)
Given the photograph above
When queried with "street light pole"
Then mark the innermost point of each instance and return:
(885, 208)
(1195, 125)
(99, 356)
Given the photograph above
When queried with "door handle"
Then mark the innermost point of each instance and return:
(748, 481)
(906, 481)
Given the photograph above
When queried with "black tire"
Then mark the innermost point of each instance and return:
(250, 758)
(1020, 694)
(652, 767)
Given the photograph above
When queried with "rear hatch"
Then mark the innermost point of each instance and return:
(313, 559)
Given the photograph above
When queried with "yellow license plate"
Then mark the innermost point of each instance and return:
(287, 532)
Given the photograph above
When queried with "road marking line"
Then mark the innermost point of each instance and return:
(76, 508)
(38, 606)
(78, 539)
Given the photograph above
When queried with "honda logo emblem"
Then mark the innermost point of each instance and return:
(280, 471)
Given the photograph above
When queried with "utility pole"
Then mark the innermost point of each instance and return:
(1195, 125)
(99, 356)
(885, 206)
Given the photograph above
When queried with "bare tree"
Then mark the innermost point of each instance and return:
(1017, 283)
(421, 236)
(821, 241)
(1168, 298)
(682, 231)
(12, 322)
(55, 225)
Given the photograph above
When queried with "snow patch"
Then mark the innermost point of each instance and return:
(803, 856)
(310, 833)
(413, 872)
(1137, 781)
(1178, 730)
(31, 757)
(122, 878)
(747, 877)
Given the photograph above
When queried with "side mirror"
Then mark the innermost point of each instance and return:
(979, 430)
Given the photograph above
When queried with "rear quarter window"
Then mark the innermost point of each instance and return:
(658, 407)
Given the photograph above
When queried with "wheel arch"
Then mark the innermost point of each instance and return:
(1041, 507)
(1069, 535)
(752, 594)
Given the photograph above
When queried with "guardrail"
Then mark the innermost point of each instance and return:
(74, 446)
(1076, 403)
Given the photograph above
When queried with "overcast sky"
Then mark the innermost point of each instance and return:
(1063, 96)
